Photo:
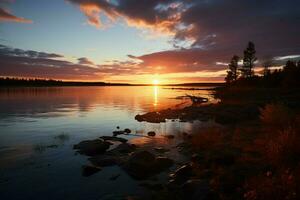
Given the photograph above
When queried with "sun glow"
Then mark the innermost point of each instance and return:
(155, 82)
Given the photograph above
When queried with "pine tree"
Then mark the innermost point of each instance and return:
(232, 72)
(248, 61)
(267, 64)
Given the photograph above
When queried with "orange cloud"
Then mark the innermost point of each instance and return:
(140, 17)
(5, 15)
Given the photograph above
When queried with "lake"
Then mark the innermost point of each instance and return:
(39, 126)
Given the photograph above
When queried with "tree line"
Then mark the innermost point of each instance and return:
(244, 74)
(28, 82)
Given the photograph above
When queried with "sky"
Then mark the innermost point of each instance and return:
(138, 41)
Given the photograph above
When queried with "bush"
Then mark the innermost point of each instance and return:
(208, 138)
(284, 149)
(276, 115)
(282, 185)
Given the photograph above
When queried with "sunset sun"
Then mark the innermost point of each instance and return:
(155, 82)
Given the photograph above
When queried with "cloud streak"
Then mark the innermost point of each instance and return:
(6, 16)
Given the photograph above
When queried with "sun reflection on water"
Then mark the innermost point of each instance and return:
(155, 94)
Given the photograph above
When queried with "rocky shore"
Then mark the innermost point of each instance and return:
(143, 163)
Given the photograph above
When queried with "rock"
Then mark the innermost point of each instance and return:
(140, 164)
(88, 170)
(127, 130)
(104, 160)
(170, 136)
(152, 117)
(151, 133)
(124, 148)
(114, 138)
(162, 163)
(195, 189)
(115, 133)
(182, 174)
(92, 147)
(161, 149)
(118, 127)
(144, 164)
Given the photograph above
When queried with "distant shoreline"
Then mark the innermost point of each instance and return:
(14, 82)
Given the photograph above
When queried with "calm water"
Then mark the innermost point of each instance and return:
(36, 164)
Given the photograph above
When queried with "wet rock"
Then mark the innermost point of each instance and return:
(161, 149)
(104, 160)
(151, 133)
(124, 148)
(170, 136)
(92, 147)
(127, 130)
(144, 164)
(162, 163)
(114, 138)
(139, 164)
(88, 170)
(115, 133)
(118, 127)
(152, 117)
(195, 189)
(182, 174)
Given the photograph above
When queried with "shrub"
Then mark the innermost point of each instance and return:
(208, 138)
(276, 115)
(284, 149)
(282, 185)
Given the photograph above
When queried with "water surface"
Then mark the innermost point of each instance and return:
(39, 126)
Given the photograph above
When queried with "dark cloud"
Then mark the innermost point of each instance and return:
(27, 63)
(5, 15)
(85, 61)
(18, 62)
(4, 50)
(212, 25)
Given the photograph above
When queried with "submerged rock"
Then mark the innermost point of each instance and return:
(115, 133)
(151, 133)
(92, 147)
(182, 174)
(88, 170)
(114, 177)
(114, 156)
(114, 138)
(104, 160)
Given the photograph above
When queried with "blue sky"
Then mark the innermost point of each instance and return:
(59, 27)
